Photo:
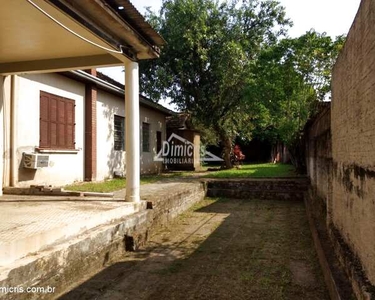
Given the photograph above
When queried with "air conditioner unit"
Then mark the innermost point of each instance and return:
(35, 161)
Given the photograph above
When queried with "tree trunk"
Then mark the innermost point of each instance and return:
(227, 151)
(226, 142)
(297, 156)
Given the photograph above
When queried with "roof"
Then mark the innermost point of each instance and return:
(137, 21)
(110, 85)
(180, 121)
(119, 23)
(109, 79)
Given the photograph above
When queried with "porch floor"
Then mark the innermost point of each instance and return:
(30, 223)
(27, 226)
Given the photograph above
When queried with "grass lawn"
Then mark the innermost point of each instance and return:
(116, 184)
(246, 171)
(255, 170)
(106, 186)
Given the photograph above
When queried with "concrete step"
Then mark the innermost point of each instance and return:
(259, 188)
(51, 191)
(259, 195)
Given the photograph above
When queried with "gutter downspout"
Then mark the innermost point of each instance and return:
(13, 132)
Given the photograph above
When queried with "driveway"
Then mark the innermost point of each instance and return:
(219, 249)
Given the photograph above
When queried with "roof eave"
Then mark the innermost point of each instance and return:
(144, 101)
(99, 17)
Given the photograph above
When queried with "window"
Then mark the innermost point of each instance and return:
(158, 141)
(119, 133)
(145, 137)
(56, 123)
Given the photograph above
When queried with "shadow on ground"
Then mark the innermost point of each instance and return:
(220, 249)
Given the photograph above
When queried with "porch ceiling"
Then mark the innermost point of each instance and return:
(27, 34)
(33, 42)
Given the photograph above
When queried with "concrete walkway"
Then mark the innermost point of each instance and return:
(28, 226)
(29, 223)
(219, 249)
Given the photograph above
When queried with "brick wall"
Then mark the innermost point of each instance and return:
(90, 129)
(353, 140)
(319, 161)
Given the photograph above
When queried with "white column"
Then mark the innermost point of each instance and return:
(132, 132)
(1, 133)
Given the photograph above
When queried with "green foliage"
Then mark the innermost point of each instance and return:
(98, 187)
(289, 79)
(210, 52)
(228, 65)
(116, 184)
(255, 170)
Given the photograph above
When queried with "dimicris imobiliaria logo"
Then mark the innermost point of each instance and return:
(178, 150)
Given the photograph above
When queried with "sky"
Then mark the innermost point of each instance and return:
(331, 16)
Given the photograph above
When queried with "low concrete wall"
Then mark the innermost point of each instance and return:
(259, 188)
(169, 203)
(65, 265)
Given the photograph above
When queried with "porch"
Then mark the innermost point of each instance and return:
(29, 224)
(55, 241)
(57, 35)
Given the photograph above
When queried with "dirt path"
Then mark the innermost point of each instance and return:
(220, 249)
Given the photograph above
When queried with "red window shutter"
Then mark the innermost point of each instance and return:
(61, 124)
(57, 122)
(53, 122)
(70, 125)
(44, 131)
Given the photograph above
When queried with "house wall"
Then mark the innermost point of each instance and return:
(353, 139)
(109, 160)
(157, 123)
(64, 168)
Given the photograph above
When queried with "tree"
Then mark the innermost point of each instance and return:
(290, 79)
(207, 62)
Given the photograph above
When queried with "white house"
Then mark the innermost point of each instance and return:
(43, 36)
(51, 112)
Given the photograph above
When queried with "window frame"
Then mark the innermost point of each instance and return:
(159, 144)
(146, 146)
(122, 139)
(46, 121)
